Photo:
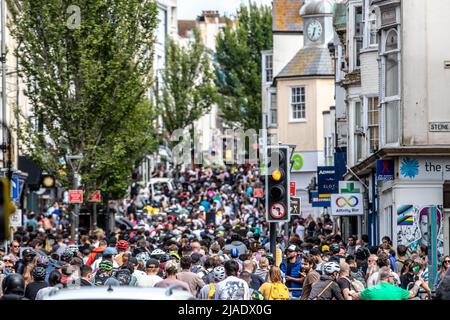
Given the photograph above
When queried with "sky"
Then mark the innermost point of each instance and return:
(190, 9)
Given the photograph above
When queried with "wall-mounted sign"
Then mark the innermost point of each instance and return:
(304, 161)
(385, 170)
(424, 169)
(439, 126)
(326, 180)
(350, 204)
(350, 187)
(320, 201)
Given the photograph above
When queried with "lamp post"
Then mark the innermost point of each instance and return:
(75, 162)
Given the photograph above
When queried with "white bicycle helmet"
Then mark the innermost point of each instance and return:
(143, 257)
(157, 253)
(331, 267)
(219, 273)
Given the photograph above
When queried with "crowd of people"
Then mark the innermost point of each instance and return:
(209, 237)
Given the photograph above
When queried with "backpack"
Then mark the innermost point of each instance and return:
(356, 285)
(278, 291)
(208, 277)
(359, 276)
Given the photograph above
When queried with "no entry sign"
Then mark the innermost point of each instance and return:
(75, 196)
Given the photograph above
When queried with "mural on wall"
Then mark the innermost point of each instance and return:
(412, 227)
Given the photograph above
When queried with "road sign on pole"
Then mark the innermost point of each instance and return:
(295, 206)
(76, 196)
(292, 188)
(95, 196)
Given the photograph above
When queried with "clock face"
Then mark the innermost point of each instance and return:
(315, 30)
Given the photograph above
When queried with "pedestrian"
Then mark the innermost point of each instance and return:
(311, 275)
(387, 290)
(232, 287)
(327, 287)
(151, 278)
(275, 289)
(194, 282)
(171, 278)
(37, 284)
(291, 268)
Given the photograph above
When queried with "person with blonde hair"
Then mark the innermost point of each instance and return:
(263, 268)
(275, 289)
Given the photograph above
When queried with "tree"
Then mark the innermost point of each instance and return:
(87, 86)
(187, 84)
(238, 65)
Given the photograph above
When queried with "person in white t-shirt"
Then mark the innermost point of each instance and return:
(232, 288)
(151, 278)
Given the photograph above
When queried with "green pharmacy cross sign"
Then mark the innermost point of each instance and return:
(350, 188)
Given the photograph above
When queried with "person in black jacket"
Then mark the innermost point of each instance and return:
(38, 283)
(86, 276)
(13, 287)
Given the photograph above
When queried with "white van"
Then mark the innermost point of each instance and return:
(157, 185)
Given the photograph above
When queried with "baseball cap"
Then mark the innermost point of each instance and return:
(325, 248)
(292, 247)
(110, 251)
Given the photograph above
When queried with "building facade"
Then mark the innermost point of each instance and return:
(393, 71)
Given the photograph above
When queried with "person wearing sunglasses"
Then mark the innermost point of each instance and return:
(14, 251)
(445, 265)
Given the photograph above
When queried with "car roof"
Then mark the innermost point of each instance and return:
(119, 293)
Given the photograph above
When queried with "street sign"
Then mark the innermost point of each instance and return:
(15, 220)
(258, 192)
(292, 188)
(350, 204)
(295, 206)
(277, 210)
(76, 196)
(95, 196)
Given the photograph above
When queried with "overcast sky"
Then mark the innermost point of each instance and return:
(190, 9)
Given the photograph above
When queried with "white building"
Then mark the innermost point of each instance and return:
(398, 110)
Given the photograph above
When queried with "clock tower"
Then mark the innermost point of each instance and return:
(318, 23)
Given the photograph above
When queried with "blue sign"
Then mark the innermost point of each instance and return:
(317, 202)
(17, 184)
(326, 180)
(385, 170)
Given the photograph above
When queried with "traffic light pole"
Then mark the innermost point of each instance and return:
(273, 239)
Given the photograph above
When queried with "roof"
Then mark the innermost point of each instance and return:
(286, 16)
(309, 62)
(184, 26)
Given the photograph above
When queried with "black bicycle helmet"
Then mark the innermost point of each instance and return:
(43, 261)
(66, 256)
(14, 284)
(39, 273)
(28, 253)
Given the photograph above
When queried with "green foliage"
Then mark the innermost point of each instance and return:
(238, 69)
(187, 85)
(87, 86)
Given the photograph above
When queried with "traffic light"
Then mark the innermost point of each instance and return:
(277, 184)
(6, 208)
